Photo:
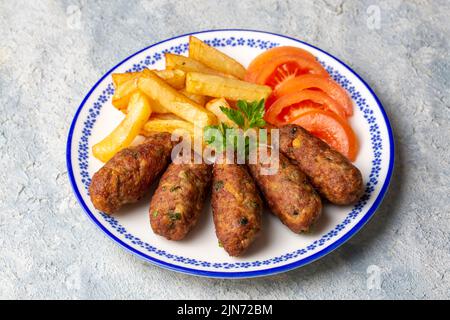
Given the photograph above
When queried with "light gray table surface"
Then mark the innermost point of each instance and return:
(52, 52)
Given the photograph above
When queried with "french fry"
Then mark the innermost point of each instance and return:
(124, 134)
(121, 98)
(214, 106)
(123, 92)
(201, 100)
(127, 83)
(119, 78)
(157, 107)
(175, 78)
(232, 89)
(214, 59)
(168, 116)
(122, 104)
(172, 124)
(169, 123)
(176, 61)
(156, 89)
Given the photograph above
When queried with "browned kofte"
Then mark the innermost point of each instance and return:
(177, 204)
(330, 172)
(129, 174)
(236, 206)
(289, 194)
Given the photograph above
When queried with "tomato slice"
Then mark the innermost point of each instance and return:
(332, 129)
(312, 81)
(289, 106)
(281, 68)
(257, 63)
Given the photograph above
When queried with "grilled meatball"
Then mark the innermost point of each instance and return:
(289, 194)
(330, 172)
(236, 207)
(178, 201)
(129, 174)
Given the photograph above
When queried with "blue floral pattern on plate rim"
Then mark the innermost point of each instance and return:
(254, 42)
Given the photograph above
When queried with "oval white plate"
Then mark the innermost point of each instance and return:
(277, 249)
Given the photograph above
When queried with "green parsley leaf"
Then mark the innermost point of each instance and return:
(234, 115)
(247, 115)
(256, 118)
(244, 107)
(210, 139)
(206, 137)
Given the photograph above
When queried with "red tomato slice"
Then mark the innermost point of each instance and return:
(257, 63)
(335, 131)
(312, 81)
(289, 106)
(281, 68)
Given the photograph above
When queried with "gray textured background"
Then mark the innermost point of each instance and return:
(48, 62)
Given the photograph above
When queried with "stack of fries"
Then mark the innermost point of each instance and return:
(186, 96)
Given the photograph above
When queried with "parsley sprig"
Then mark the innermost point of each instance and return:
(211, 139)
(247, 115)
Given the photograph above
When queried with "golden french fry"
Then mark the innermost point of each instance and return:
(219, 87)
(169, 123)
(123, 135)
(119, 78)
(157, 107)
(175, 102)
(122, 104)
(201, 100)
(175, 78)
(214, 106)
(167, 116)
(123, 92)
(173, 124)
(127, 83)
(214, 59)
(175, 61)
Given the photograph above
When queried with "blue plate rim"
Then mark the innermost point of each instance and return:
(239, 274)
